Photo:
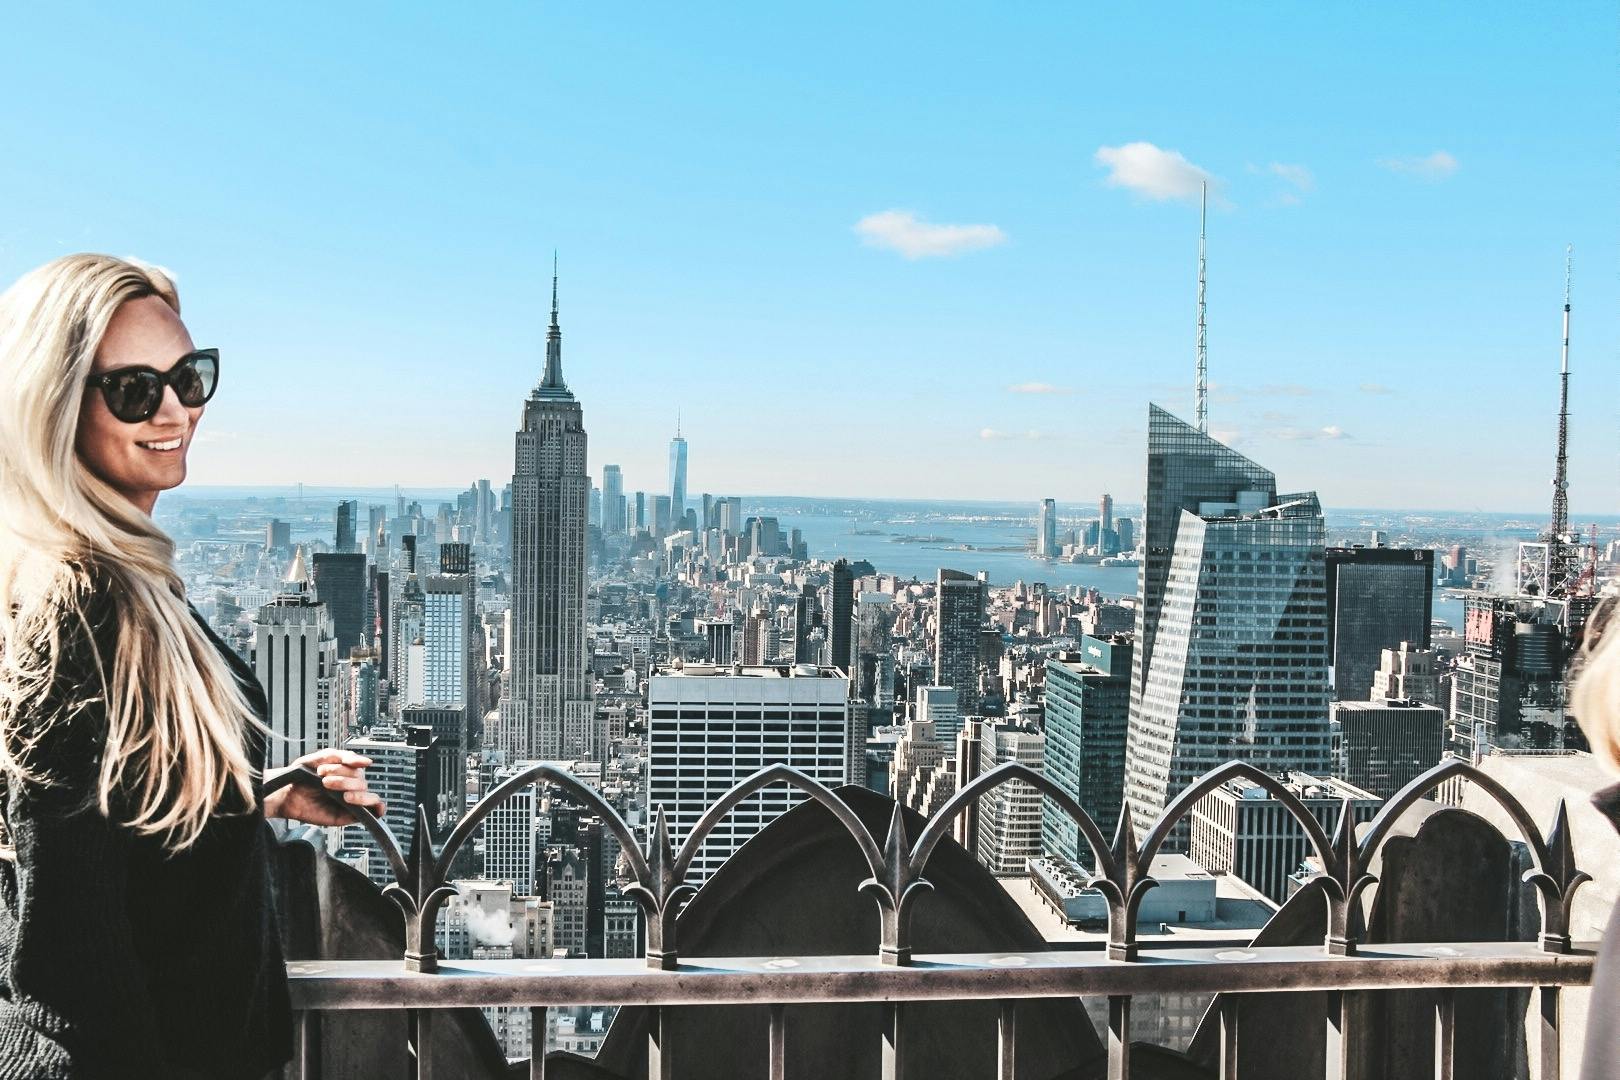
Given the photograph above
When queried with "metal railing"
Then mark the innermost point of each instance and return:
(665, 980)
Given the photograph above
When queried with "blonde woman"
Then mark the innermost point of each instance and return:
(1596, 702)
(137, 936)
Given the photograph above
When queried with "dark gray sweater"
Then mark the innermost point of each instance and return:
(117, 958)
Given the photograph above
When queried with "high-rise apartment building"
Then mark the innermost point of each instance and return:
(1088, 706)
(510, 832)
(452, 656)
(548, 709)
(1385, 745)
(807, 624)
(1407, 674)
(841, 617)
(1377, 597)
(568, 882)
(1231, 631)
(873, 677)
(612, 500)
(277, 536)
(347, 510)
(295, 659)
(959, 613)
(1046, 545)
(405, 769)
(939, 707)
(1009, 832)
(677, 478)
(340, 582)
(710, 728)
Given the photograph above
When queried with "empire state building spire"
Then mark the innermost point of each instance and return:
(552, 384)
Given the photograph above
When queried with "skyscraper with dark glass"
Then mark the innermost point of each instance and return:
(547, 710)
(1377, 597)
(1232, 657)
(841, 617)
(1088, 704)
(959, 613)
(340, 582)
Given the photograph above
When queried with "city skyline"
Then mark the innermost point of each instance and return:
(982, 232)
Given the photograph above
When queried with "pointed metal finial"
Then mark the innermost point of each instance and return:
(552, 384)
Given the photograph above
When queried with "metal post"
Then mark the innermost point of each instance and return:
(1119, 1037)
(894, 1064)
(307, 1034)
(1445, 1035)
(537, 1043)
(1337, 1066)
(1551, 1052)
(422, 1042)
(778, 1053)
(660, 1063)
(1229, 1036)
(1007, 1041)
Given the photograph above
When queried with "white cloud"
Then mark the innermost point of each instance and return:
(1151, 172)
(1436, 166)
(995, 435)
(1297, 176)
(1375, 388)
(905, 232)
(1332, 431)
(1038, 388)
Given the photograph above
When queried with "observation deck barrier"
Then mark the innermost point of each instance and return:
(665, 980)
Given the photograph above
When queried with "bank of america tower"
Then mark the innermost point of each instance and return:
(546, 710)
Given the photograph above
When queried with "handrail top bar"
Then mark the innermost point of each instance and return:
(374, 984)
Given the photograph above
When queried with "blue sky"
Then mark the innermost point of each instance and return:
(361, 208)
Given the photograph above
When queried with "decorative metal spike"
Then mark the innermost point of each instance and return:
(1124, 847)
(1560, 848)
(897, 846)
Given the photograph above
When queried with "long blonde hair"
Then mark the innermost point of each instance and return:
(1595, 699)
(177, 720)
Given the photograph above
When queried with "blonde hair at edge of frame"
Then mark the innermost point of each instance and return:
(1596, 696)
(177, 721)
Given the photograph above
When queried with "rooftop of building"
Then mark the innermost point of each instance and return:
(748, 671)
(1302, 785)
(1382, 704)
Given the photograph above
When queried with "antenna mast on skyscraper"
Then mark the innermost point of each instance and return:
(1203, 353)
(1560, 513)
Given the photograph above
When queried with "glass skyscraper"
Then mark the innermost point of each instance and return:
(1232, 657)
(677, 479)
(1088, 704)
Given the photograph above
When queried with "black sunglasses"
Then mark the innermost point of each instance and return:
(133, 394)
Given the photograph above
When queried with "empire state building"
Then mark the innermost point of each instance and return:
(547, 711)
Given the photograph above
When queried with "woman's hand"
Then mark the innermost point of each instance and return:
(343, 775)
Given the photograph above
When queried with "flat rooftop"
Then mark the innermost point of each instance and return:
(750, 671)
(1240, 911)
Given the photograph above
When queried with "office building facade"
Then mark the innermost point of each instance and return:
(959, 614)
(295, 659)
(1231, 632)
(710, 728)
(1088, 705)
(1377, 597)
(1242, 829)
(1385, 745)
